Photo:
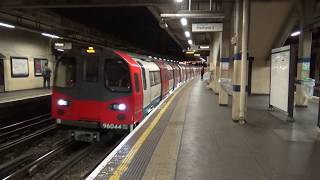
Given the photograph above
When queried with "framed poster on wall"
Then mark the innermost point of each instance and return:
(39, 66)
(19, 67)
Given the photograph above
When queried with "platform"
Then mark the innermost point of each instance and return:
(191, 137)
(14, 96)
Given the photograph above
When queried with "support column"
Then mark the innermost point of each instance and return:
(211, 68)
(307, 9)
(303, 65)
(244, 58)
(213, 64)
(236, 65)
(224, 62)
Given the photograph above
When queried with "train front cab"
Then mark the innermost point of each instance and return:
(96, 92)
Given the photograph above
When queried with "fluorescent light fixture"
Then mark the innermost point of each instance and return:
(204, 47)
(184, 21)
(6, 25)
(297, 33)
(51, 35)
(187, 33)
(179, 1)
(190, 41)
(60, 50)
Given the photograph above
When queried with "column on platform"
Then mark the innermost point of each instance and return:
(214, 66)
(211, 67)
(224, 64)
(236, 62)
(306, 10)
(244, 60)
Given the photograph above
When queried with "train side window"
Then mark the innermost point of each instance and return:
(157, 78)
(65, 73)
(136, 81)
(152, 82)
(90, 71)
(117, 75)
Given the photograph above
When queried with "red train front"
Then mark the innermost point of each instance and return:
(96, 89)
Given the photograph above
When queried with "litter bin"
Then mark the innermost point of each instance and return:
(307, 86)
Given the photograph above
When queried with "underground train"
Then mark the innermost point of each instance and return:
(100, 89)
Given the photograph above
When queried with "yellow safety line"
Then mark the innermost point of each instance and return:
(127, 160)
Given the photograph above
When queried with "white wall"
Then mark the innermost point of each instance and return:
(18, 43)
(263, 32)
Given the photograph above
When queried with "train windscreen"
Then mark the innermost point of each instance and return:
(117, 75)
(65, 73)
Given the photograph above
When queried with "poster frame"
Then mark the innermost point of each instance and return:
(17, 75)
(291, 83)
(34, 65)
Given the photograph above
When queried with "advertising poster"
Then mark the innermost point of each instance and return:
(19, 67)
(39, 66)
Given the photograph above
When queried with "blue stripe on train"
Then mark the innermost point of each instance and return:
(149, 108)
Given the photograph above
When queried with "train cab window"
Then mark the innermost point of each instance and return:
(136, 81)
(117, 75)
(152, 81)
(90, 72)
(65, 73)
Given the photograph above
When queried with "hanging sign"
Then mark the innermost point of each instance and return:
(207, 27)
(62, 45)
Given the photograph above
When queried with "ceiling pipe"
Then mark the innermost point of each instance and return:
(195, 15)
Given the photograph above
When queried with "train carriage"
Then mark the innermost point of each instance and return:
(170, 77)
(100, 89)
(151, 81)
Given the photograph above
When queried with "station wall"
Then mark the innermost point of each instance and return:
(18, 43)
(263, 33)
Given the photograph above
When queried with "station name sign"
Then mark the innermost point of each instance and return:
(62, 45)
(207, 27)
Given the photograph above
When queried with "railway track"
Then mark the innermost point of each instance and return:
(32, 165)
(19, 133)
(56, 162)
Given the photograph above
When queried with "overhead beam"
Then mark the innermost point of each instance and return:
(7, 4)
(194, 15)
(155, 13)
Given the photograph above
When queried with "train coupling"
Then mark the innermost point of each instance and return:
(85, 136)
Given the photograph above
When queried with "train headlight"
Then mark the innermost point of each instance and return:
(62, 102)
(119, 107)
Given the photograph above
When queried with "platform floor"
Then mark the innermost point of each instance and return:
(7, 97)
(197, 140)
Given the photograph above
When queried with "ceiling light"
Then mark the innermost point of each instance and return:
(297, 33)
(204, 47)
(51, 35)
(190, 41)
(187, 33)
(184, 21)
(166, 25)
(179, 1)
(6, 25)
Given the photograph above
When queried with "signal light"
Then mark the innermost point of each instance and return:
(90, 50)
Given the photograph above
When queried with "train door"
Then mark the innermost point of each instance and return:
(146, 86)
(1, 76)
